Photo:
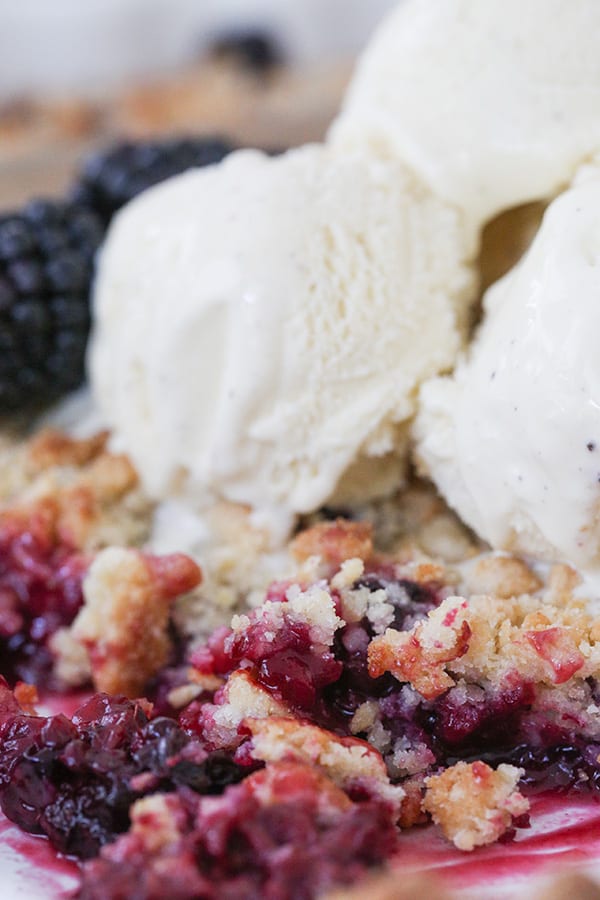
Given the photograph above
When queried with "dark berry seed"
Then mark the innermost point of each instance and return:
(43, 212)
(67, 311)
(53, 240)
(254, 50)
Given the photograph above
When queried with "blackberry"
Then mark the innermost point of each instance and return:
(46, 264)
(113, 177)
(253, 50)
(47, 255)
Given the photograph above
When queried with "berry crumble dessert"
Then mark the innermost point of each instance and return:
(289, 564)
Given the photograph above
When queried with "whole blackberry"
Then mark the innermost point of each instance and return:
(46, 263)
(253, 50)
(113, 177)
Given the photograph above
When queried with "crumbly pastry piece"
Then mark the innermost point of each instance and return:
(95, 494)
(124, 621)
(492, 637)
(473, 804)
(350, 763)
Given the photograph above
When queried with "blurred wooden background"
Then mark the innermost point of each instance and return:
(41, 144)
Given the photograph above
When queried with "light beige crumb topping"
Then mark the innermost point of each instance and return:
(124, 621)
(491, 637)
(473, 804)
(95, 494)
(347, 761)
(243, 698)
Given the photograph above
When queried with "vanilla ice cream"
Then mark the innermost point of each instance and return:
(513, 439)
(262, 326)
(492, 102)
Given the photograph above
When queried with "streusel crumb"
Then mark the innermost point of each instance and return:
(124, 621)
(504, 576)
(334, 542)
(157, 821)
(95, 494)
(492, 638)
(473, 804)
(241, 698)
(349, 762)
(420, 656)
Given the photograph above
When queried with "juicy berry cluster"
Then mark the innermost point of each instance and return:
(46, 265)
(276, 835)
(114, 177)
(75, 781)
(328, 687)
(327, 684)
(40, 591)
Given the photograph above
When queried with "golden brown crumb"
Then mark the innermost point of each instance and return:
(491, 637)
(71, 659)
(473, 804)
(334, 542)
(124, 620)
(243, 698)
(26, 696)
(286, 779)
(411, 811)
(93, 494)
(50, 447)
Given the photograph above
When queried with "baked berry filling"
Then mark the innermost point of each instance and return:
(40, 591)
(498, 724)
(75, 780)
(284, 832)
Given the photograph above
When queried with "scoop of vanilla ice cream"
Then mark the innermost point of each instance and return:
(493, 103)
(513, 438)
(262, 326)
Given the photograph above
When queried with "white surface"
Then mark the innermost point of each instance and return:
(494, 103)
(262, 323)
(23, 879)
(91, 45)
(506, 439)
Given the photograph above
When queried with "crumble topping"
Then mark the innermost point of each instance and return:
(420, 656)
(334, 542)
(473, 804)
(240, 698)
(124, 621)
(349, 762)
(94, 494)
(491, 637)
(364, 675)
